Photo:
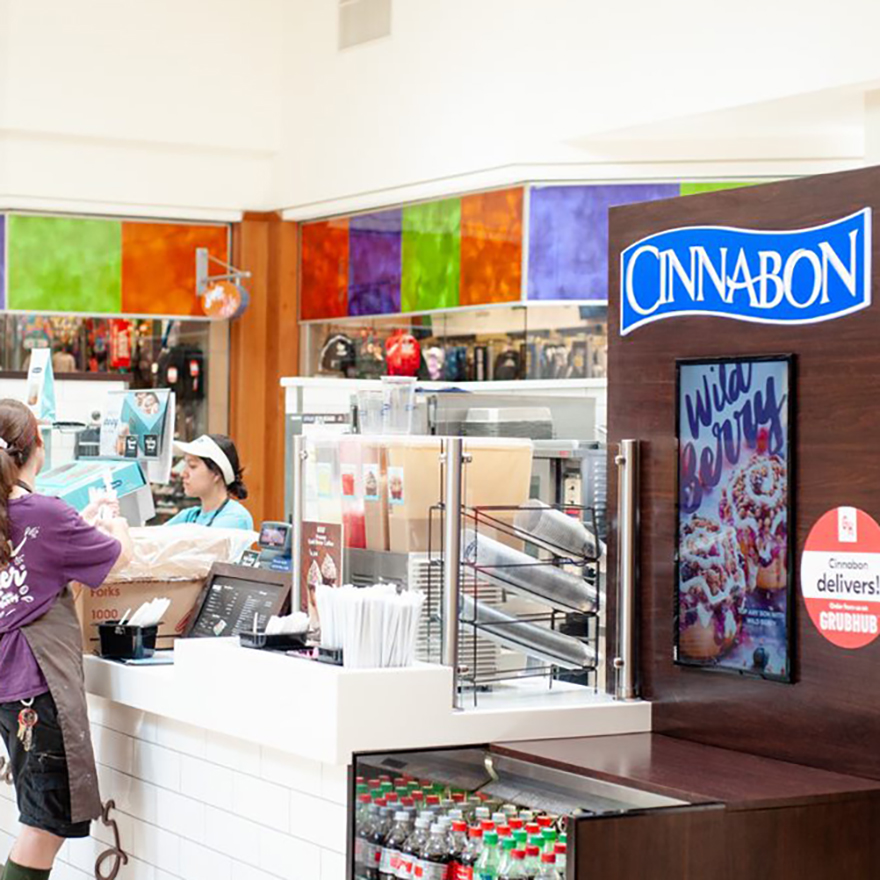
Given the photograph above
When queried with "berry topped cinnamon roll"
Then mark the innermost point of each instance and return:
(712, 588)
(755, 504)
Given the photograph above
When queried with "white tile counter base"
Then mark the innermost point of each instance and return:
(232, 765)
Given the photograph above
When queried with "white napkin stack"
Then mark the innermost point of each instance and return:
(376, 626)
(149, 614)
(292, 624)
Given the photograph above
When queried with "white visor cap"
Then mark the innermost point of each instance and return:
(205, 447)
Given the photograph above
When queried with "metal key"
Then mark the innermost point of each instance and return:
(27, 721)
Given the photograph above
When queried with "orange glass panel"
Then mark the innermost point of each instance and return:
(159, 266)
(491, 247)
(324, 270)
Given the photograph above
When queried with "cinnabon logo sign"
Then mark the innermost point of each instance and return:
(840, 577)
(798, 276)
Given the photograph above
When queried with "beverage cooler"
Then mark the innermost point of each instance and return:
(477, 812)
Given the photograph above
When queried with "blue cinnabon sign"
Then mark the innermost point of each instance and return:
(798, 276)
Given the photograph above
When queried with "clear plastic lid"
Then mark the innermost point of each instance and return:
(438, 829)
(401, 816)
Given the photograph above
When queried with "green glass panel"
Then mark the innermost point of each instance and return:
(710, 186)
(64, 264)
(431, 256)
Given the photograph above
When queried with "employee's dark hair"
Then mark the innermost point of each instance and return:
(237, 488)
(19, 434)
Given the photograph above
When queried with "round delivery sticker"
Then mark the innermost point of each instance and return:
(840, 577)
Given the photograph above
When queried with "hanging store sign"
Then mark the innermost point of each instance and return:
(798, 276)
(840, 577)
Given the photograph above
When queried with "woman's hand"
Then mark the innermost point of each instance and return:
(100, 509)
(118, 528)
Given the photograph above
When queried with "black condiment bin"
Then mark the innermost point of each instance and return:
(274, 642)
(119, 641)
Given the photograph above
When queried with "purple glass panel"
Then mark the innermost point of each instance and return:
(568, 236)
(2, 261)
(374, 266)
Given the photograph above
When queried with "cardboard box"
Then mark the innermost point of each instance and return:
(499, 474)
(111, 601)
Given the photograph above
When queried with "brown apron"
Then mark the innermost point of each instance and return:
(56, 641)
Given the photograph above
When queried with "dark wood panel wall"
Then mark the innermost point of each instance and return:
(831, 716)
(264, 348)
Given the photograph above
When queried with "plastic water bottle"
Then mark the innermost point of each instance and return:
(436, 857)
(458, 841)
(412, 849)
(471, 855)
(390, 861)
(487, 864)
(515, 867)
(508, 845)
(532, 863)
(561, 858)
(548, 868)
(362, 819)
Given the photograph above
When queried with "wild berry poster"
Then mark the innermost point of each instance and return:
(733, 559)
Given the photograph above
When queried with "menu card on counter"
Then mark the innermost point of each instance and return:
(234, 597)
(321, 547)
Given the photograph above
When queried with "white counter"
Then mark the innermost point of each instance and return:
(232, 764)
(325, 713)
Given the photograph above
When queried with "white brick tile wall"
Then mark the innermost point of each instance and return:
(206, 782)
(317, 820)
(157, 765)
(332, 865)
(263, 802)
(155, 845)
(233, 753)
(181, 815)
(113, 749)
(192, 805)
(334, 783)
(181, 737)
(200, 863)
(233, 836)
(287, 857)
(291, 771)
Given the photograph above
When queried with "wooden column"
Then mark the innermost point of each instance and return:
(264, 348)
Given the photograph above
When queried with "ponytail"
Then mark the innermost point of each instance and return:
(8, 476)
(19, 434)
(237, 489)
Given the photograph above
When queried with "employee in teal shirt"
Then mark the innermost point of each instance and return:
(212, 473)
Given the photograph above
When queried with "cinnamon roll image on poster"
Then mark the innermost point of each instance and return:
(755, 504)
(733, 580)
(712, 592)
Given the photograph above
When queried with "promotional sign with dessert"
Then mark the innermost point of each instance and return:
(733, 555)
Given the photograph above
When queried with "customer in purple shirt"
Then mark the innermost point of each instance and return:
(45, 544)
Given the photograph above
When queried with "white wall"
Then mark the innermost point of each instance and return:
(469, 93)
(203, 107)
(171, 104)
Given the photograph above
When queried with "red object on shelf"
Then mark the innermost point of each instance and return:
(403, 355)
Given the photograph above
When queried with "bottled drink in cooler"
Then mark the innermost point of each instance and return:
(389, 864)
(375, 841)
(548, 868)
(458, 839)
(532, 863)
(549, 836)
(507, 846)
(561, 858)
(412, 849)
(436, 857)
(487, 864)
(515, 869)
(362, 819)
(470, 855)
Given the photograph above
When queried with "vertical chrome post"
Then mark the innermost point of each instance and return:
(627, 462)
(297, 489)
(452, 556)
